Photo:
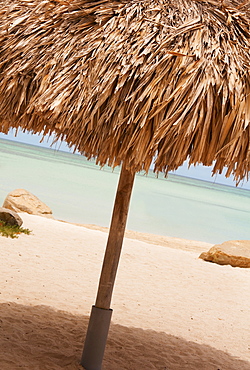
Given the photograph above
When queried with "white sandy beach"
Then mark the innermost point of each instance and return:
(172, 310)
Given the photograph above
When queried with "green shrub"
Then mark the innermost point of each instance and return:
(12, 231)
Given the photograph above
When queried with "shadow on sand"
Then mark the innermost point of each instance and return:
(38, 337)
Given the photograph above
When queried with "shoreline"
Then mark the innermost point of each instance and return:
(160, 240)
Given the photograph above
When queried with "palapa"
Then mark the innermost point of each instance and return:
(129, 82)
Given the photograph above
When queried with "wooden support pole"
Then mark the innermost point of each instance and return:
(115, 239)
(100, 317)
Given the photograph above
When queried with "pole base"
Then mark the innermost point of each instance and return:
(96, 338)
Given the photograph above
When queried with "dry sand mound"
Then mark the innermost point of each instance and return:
(172, 310)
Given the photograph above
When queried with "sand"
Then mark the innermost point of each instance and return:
(172, 310)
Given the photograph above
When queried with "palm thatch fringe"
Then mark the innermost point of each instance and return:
(127, 81)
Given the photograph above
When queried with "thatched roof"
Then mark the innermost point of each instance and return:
(128, 80)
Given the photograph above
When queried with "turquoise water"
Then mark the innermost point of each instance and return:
(79, 191)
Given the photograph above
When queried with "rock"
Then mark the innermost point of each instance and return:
(21, 200)
(234, 252)
(10, 217)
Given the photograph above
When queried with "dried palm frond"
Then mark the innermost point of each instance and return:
(127, 81)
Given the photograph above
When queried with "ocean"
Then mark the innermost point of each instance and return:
(79, 191)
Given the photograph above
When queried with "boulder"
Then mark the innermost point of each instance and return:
(10, 217)
(234, 252)
(21, 200)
